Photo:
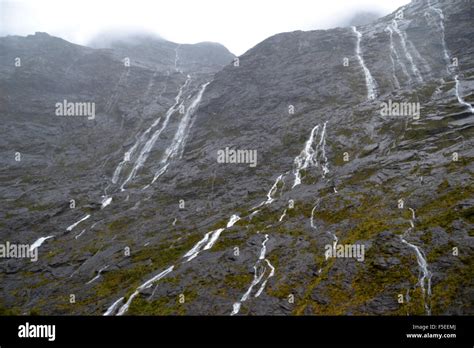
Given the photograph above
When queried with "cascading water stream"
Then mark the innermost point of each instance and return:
(393, 53)
(176, 148)
(282, 216)
(309, 155)
(440, 24)
(98, 274)
(446, 55)
(191, 254)
(369, 80)
(460, 98)
(122, 310)
(307, 158)
(145, 151)
(425, 274)
(260, 269)
(113, 308)
(39, 242)
(273, 190)
(105, 202)
(209, 239)
(70, 228)
(403, 41)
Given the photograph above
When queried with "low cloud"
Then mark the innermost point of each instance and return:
(239, 25)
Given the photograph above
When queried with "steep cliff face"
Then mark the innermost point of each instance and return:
(246, 238)
(160, 54)
(59, 168)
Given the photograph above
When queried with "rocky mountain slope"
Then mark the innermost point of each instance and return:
(159, 226)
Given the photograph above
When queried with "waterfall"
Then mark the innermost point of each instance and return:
(260, 269)
(77, 223)
(209, 239)
(39, 242)
(369, 81)
(309, 155)
(460, 98)
(393, 53)
(403, 41)
(273, 190)
(176, 148)
(145, 151)
(425, 274)
(145, 285)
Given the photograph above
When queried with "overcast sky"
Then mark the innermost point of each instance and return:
(237, 24)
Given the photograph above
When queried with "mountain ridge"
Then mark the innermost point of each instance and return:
(195, 200)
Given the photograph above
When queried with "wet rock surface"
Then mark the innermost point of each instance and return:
(360, 175)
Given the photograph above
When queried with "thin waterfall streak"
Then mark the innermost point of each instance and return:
(403, 41)
(145, 151)
(392, 53)
(460, 98)
(369, 80)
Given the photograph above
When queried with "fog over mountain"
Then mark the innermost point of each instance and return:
(161, 170)
(239, 26)
(361, 18)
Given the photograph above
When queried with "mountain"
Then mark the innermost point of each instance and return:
(161, 226)
(157, 53)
